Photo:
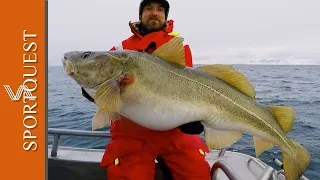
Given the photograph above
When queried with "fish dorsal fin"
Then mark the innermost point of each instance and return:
(172, 52)
(285, 116)
(231, 76)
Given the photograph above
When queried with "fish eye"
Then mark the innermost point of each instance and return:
(86, 54)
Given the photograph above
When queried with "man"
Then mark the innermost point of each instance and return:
(133, 148)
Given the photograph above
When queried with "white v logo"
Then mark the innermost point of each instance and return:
(17, 96)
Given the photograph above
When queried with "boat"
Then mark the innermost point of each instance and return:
(71, 163)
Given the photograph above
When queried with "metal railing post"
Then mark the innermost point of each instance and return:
(67, 132)
(55, 144)
(221, 152)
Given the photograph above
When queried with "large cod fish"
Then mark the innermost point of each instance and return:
(159, 92)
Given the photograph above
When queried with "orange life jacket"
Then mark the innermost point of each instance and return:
(152, 41)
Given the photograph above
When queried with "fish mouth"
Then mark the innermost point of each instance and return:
(68, 66)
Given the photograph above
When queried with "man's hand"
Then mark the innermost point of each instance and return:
(192, 128)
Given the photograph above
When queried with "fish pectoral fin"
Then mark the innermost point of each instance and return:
(231, 76)
(218, 139)
(102, 118)
(172, 52)
(108, 96)
(261, 145)
(285, 116)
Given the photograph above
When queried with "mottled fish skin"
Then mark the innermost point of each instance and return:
(164, 96)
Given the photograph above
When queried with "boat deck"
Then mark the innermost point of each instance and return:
(83, 164)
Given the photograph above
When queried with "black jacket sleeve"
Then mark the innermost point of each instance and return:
(86, 95)
(192, 128)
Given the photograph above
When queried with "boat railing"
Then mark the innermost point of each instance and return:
(229, 172)
(267, 173)
(58, 132)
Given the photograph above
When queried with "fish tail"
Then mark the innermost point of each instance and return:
(295, 163)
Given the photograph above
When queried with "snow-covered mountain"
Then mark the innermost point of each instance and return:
(257, 56)
(285, 61)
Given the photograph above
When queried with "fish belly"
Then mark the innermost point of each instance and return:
(161, 116)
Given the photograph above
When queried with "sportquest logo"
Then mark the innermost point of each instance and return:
(27, 91)
(22, 89)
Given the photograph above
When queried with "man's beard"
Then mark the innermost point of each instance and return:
(152, 26)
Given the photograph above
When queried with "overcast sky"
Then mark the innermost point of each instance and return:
(228, 31)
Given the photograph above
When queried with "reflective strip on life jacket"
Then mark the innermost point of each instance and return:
(116, 161)
(173, 34)
(201, 152)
